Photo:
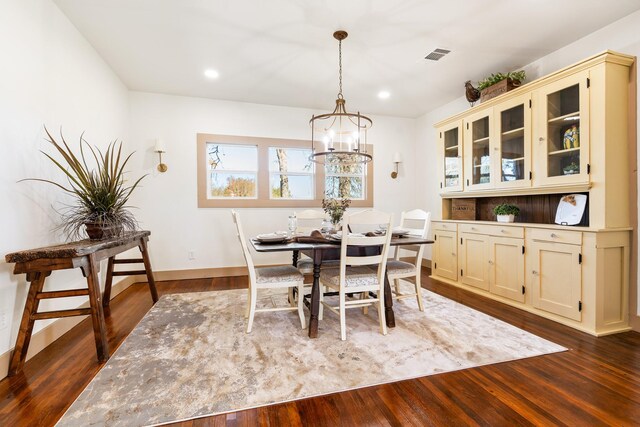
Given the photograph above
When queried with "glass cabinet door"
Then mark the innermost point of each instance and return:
(513, 121)
(563, 143)
(451, 169)
(479, 146)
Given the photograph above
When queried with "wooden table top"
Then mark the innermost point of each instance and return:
(75, 249)
(282, 247)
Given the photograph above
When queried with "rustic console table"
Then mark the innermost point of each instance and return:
(86, 255)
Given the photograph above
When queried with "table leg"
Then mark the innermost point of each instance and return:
(147, 266)
(106, 297)
(315, 295)
(26, 325)
(388, 303)
(97, 314)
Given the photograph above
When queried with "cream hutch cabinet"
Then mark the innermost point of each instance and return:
(516, 146)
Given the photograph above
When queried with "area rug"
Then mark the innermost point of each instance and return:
(190, 356)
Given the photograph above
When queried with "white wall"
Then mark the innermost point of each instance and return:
(49, 75)
(168, 201)
(621, 36)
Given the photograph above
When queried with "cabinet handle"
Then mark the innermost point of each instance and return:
(534, 272)
(554, 235)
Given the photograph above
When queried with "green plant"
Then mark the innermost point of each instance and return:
(506, 209)
(516, 76)
(335, 208)
(101, 194)
(571, 168)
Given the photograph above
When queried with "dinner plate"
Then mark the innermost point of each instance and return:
(271, 238)
(399, 232)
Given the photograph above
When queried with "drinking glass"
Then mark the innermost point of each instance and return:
(293, 225)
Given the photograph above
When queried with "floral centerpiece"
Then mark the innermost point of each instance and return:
(335, 208)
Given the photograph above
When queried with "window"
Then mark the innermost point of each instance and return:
(232, 171)
(235, 171)
(291, 173)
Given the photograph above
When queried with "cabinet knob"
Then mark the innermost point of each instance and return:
(554, 235)
(534, 272)
(541, 139)
(453, 254)
(473, 229)
(502, 230)
(490, 262)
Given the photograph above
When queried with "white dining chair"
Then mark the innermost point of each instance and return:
(356, 274)
(285, 276)
(417, 222)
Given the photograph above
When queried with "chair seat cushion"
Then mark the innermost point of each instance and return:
(400, 267)
(279, 274)
(305, 266)
(355, 276)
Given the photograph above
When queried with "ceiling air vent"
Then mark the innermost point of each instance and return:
(437, 54)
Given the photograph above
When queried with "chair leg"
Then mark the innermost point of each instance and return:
(419, 292)
(396, 282)
(365, 309)
(381, 314)
(301, 306)
(291, 298)
(343, 323)
(253, 297)
(321, 308)
(246, 312)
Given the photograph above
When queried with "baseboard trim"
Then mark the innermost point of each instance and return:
(47, 335)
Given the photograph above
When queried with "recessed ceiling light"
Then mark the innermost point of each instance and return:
(383, 94)
(212, 74)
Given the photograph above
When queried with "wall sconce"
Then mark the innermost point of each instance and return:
(160, 148)
(397, 158)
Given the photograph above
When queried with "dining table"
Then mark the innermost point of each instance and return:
(320, 251)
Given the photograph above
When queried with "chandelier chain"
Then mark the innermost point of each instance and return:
(340, 67)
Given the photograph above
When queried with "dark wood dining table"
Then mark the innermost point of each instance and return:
(319, 251)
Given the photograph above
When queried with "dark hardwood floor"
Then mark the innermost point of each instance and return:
(596, 382)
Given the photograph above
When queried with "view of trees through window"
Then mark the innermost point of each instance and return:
(233, 173)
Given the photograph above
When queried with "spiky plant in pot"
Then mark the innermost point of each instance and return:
(100, 193)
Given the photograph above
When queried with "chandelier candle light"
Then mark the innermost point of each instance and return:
(340, 136)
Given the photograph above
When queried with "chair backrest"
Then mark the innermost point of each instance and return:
(372, 219)
(309, 220)
(418, 222)
(245, 248)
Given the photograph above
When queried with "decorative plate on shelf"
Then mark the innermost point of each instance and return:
(571, 209)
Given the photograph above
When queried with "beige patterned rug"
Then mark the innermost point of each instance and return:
(190, 357)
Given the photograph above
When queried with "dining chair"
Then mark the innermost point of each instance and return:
(356, 274)
(285, 276)
(417, 222)
(308, 220)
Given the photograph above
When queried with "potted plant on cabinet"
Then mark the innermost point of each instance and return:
(497, 84)
(505, 212)
(100, 193)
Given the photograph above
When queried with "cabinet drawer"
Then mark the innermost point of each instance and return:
(557, 236)
(493, 230)
(444, 226)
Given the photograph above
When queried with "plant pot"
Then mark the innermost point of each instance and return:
(499, 88)
(506, 218)
(98, 231)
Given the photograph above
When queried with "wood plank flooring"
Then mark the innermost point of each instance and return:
(597, 382)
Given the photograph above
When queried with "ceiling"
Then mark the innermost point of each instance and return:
(282, 52)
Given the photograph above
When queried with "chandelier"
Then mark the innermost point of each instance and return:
(340, 136)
